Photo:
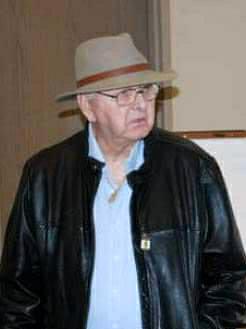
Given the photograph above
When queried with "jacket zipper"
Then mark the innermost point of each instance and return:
(155, 314)
(145, 246)
(137, 234)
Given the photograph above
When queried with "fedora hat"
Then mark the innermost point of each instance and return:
(111, 62)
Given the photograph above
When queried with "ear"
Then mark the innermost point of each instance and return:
(86, 107)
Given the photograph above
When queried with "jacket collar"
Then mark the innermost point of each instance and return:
(136, 176)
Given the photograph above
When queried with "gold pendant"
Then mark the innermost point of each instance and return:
(113, 196)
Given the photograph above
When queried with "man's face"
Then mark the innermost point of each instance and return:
(124, 123)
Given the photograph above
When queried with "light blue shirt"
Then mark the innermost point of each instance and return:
(114, 300)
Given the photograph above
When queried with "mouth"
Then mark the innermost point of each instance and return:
(138, 121)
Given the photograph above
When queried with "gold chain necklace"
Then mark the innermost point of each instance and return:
(114, 194)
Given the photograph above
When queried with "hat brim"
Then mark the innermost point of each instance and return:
(127, 80)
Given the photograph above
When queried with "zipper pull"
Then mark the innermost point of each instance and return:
(145, 242)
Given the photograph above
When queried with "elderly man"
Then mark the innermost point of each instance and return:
(122, 225)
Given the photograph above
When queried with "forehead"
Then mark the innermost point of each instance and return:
(118, 90)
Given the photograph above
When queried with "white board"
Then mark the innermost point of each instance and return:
(230, 154)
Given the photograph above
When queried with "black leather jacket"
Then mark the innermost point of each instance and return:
(193, 275)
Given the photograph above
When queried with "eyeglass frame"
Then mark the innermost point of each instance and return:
(139, 90)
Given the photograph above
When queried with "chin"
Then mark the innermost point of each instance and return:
(137, 133)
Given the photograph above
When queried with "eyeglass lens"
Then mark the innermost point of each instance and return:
(128, 96)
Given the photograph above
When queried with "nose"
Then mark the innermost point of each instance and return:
(140, 102)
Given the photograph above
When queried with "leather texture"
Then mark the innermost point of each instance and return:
(191, 277)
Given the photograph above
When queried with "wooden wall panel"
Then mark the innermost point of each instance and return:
(38, 39)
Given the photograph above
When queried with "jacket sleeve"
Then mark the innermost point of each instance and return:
(20, 270)
(223, 286)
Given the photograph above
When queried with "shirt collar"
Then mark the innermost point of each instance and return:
(133, 162)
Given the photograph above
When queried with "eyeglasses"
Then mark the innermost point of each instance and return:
(128, 96)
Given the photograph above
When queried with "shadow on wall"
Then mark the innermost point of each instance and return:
(167, 93)
(72, 112)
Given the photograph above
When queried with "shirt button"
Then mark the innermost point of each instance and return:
(115, 326)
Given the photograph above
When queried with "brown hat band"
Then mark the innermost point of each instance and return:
(113, 73)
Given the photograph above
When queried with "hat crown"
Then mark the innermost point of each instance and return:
(111, 62)
(104, 54)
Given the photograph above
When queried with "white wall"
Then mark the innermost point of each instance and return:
(231, 156)
(208, 44)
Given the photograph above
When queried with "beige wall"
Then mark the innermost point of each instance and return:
(160, 52)
(209, 52)
(38, 39)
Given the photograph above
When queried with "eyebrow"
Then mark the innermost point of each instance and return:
(106, 92)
